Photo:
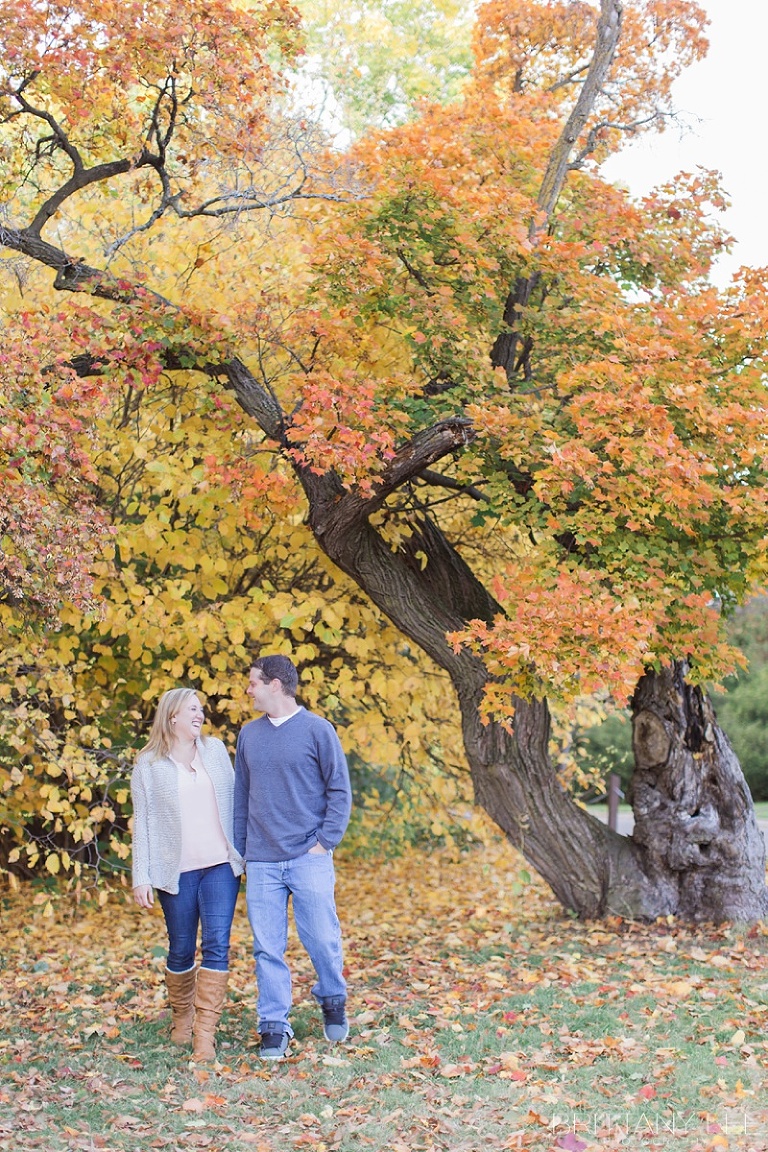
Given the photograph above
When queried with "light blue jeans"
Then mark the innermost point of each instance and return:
(309, 880)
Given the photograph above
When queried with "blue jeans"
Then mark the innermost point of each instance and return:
(310, 880)
(206, 896)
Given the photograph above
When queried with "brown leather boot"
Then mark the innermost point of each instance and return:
(181, 996)
(209, 1001)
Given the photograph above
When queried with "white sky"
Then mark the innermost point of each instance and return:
(726, 98)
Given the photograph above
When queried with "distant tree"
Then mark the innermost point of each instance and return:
(605, 748)
(370, 64)
(743, 708)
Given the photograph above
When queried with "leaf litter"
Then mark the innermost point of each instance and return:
(481, 1014)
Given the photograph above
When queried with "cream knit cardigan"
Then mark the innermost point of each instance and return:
(157, 816)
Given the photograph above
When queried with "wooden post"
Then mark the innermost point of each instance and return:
(614, 792)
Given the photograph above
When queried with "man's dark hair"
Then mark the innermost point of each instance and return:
(278, 668)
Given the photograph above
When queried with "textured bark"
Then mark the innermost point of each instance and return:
(694, 819)
(591, 870)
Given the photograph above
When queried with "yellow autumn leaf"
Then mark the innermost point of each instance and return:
(719, 1140)
(680, 989)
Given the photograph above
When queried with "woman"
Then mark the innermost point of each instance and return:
(182, 787)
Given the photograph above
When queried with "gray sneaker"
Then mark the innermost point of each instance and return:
(335, 1023)
(274, 1045)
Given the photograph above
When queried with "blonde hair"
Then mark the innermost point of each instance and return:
(161, 733)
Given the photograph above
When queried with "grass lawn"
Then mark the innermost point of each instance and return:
(482, 1016)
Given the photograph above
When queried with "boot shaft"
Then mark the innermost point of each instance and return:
(181, 988)
(210, 995)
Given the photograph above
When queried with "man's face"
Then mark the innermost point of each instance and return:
(260, 690)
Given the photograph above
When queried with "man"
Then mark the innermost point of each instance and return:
(292, 805)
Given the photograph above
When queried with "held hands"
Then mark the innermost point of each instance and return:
(143, 896)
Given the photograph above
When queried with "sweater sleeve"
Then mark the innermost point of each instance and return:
(241, 797)
(140, 835)
(338, 792)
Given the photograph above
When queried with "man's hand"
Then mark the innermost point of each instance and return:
(143, 896)
(317, 850)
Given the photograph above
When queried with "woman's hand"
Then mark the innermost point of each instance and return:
(143, 896)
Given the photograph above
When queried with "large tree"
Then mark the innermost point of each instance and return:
(523, 421)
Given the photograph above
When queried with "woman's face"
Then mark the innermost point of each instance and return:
(188, 720)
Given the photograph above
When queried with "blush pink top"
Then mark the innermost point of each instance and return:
(203, 842)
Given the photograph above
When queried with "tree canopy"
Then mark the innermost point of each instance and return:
(503, 396)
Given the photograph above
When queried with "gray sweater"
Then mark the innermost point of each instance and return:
(292, 788)
(157, 816)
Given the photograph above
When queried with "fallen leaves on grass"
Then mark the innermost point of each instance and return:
(480, 1015)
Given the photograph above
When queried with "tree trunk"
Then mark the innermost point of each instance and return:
(694, 819)
(592, 870)
(696, 851)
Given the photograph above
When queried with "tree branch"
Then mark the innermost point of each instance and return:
(72, 273)
(438, 480)
(608, 31)
(83, 178)
(59, 134)
(593, 134)
(504, 351)
(413, 458)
